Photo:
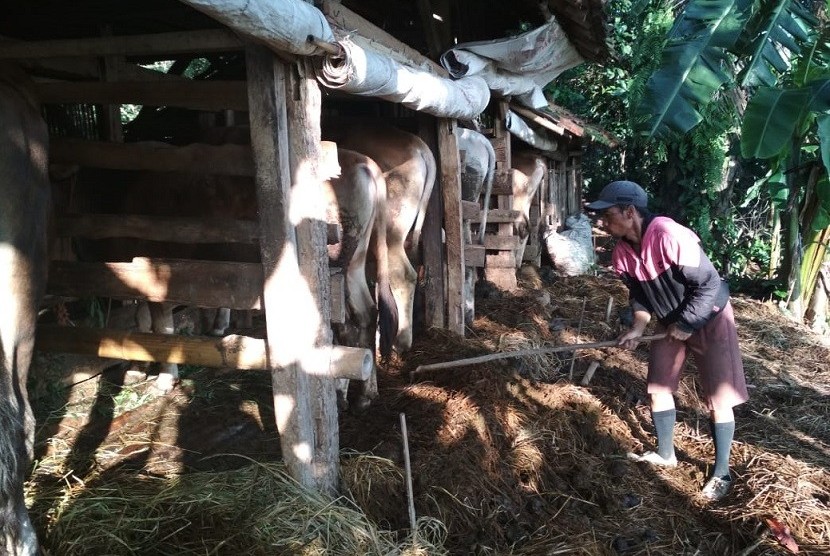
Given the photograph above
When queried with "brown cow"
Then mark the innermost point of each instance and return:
(25, 191)
(528, 171)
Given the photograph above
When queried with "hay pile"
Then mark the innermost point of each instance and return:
(508, 457)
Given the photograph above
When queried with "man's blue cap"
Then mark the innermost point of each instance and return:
(620, 193)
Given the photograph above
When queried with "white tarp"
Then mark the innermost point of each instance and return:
(518, 66)
(363, 72)
(535, 138)
(285, 25)
(282, 25)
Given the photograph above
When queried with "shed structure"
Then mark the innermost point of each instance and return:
(267, 59)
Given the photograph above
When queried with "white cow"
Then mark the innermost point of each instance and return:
(409, 168)
(477, 171)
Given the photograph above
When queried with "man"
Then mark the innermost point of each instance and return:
(668, 274)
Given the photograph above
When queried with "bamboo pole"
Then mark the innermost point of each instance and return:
(523, 352)
(410, 496)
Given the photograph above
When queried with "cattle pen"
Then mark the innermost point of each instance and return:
(282, 70)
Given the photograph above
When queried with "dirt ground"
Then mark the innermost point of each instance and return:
(514, 456)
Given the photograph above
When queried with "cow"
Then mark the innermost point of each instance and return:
(24, 221)
(409, 168)
(528, 171)
(477, 170)
(356, 200)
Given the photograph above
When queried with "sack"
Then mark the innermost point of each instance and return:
(572, 249)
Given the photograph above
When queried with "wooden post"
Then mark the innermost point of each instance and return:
(304, 102)
(111, 113)
(501, 268)
(451, 194)
(291, 322)
(432, 292)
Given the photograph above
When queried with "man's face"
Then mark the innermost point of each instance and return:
(616, 221)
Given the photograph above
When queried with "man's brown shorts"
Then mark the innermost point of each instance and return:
(718, 359)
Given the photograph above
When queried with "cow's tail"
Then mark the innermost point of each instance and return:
(387, 308)
(488, 187)
(430, 173)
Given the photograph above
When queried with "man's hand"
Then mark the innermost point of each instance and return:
(630, 338)
(676, 333)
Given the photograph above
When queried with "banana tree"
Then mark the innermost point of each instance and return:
(784, 69)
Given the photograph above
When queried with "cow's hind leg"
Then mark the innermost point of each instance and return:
(161, 317)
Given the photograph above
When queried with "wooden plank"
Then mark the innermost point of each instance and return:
(500, 216)
(285, 297)
(305, 155)
(470, 210)
(501, 243)
(502, 183)
(200, 283)
(474, 256)
(159, 44)
(228, 160)
(233, 351)
(210, 96)
(163, 228)
(155, 228)
(351, 23)
(502, 260)
(451, 193)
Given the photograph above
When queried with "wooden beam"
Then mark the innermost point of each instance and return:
(451, 192)
(228, 160)
(197, 95)
(304, 109)
(537, 119)
(233, 351)
(160, 44)
(367, 35)
(285, 296)
(432, 295)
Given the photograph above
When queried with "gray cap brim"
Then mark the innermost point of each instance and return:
(599, 205)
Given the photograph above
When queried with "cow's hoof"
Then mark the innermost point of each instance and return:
(165, 383)
(362, 404)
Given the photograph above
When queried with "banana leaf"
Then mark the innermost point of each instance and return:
(774, 40)
(770, 119)
(692, 66)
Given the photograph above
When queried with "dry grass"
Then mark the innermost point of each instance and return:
(509, 457)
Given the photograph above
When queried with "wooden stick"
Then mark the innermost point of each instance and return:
(409, 494)
(589, 374)
(523, 352)
(330, 48)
